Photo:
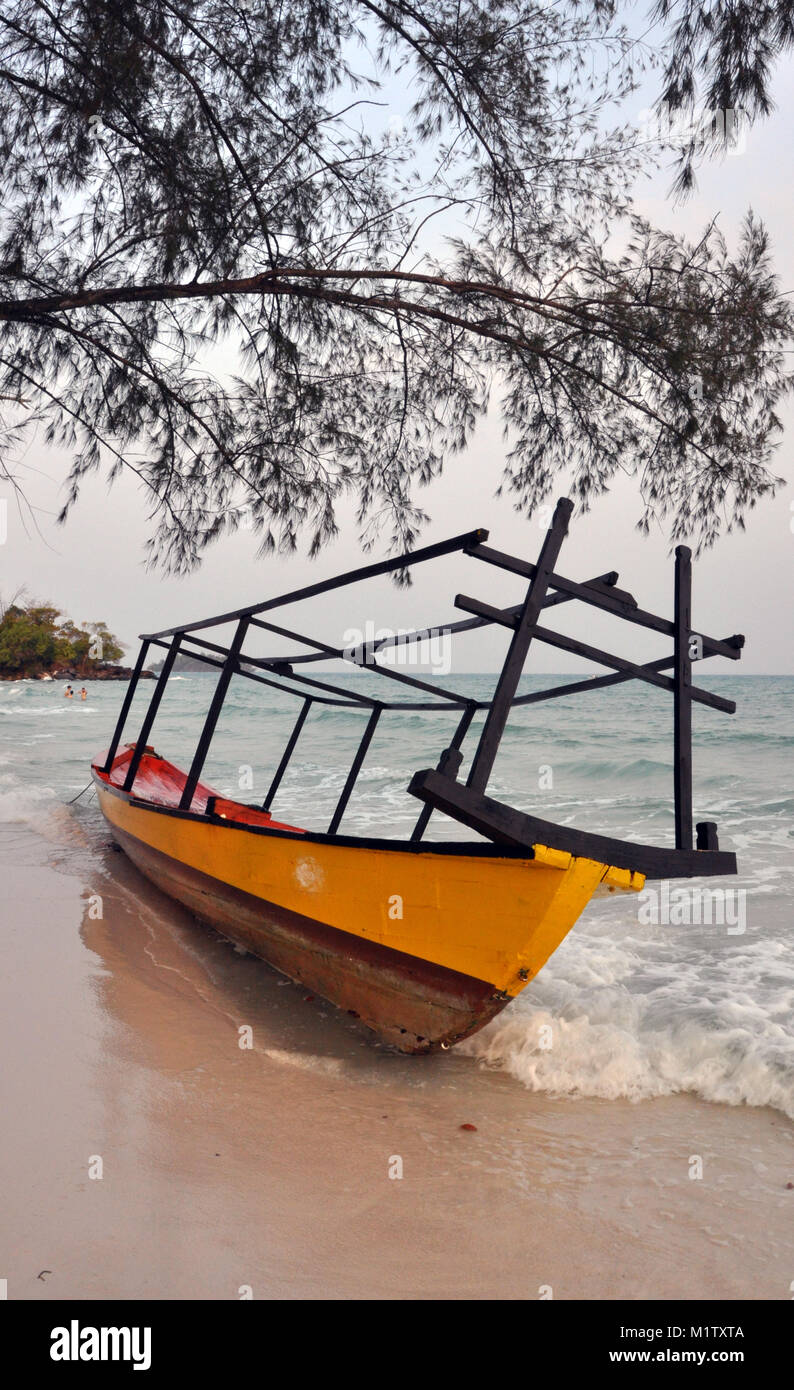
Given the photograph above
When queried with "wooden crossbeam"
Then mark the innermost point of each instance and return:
(338, 653)
(449, 764)
(663, 663)
(347, 790)
(396, 562)
(125, 708)
(213, 714)
(682, 699)
(503, 825)
(621, 604)
(590, 653)
(287, 754)
(525, 629)
(149, 717)
(600, 582)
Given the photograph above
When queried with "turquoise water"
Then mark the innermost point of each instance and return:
(638, 1007)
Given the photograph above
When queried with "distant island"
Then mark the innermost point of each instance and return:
(39, 642)
(185, 663)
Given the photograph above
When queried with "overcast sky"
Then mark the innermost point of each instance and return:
(93, 568)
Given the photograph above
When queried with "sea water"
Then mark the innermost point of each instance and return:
(647, 996)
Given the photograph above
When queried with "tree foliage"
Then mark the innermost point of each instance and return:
(270, 255)
(35, 637)
(722, 54)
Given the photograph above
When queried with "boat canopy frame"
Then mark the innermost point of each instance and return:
(439, 788)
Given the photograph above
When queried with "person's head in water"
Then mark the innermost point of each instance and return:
(68, 692)
(83, 693)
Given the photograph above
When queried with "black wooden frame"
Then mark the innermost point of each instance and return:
(439, 788)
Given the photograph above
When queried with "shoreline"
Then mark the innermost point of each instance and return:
(269, 1167)
(47, 677)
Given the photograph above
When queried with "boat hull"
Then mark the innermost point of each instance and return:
(411, 1003)
(424, 945)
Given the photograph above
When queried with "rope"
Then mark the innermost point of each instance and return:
(79, 794)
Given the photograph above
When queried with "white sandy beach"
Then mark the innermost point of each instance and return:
(269, 1168)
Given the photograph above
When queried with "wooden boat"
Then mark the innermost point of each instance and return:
(424, 941)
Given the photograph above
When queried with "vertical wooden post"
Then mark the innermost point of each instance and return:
(499, 713)
(355, 769)
(154, 705)
(125, 708)
(682, 699)
(445, 764)
(216, 705)
(287, 754)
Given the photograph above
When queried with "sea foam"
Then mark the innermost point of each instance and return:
(612, 1019)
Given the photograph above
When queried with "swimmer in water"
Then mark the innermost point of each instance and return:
(83, 694)
(69, 693)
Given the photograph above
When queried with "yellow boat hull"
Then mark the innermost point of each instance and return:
(423, 944)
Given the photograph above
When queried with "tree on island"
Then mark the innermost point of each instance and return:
(268, 255)
(36, 638)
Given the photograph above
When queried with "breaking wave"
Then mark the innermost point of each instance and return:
(615, 1019)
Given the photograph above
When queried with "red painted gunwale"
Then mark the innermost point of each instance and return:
(161, 783)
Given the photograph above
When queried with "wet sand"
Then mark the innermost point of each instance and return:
(267, 1168)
